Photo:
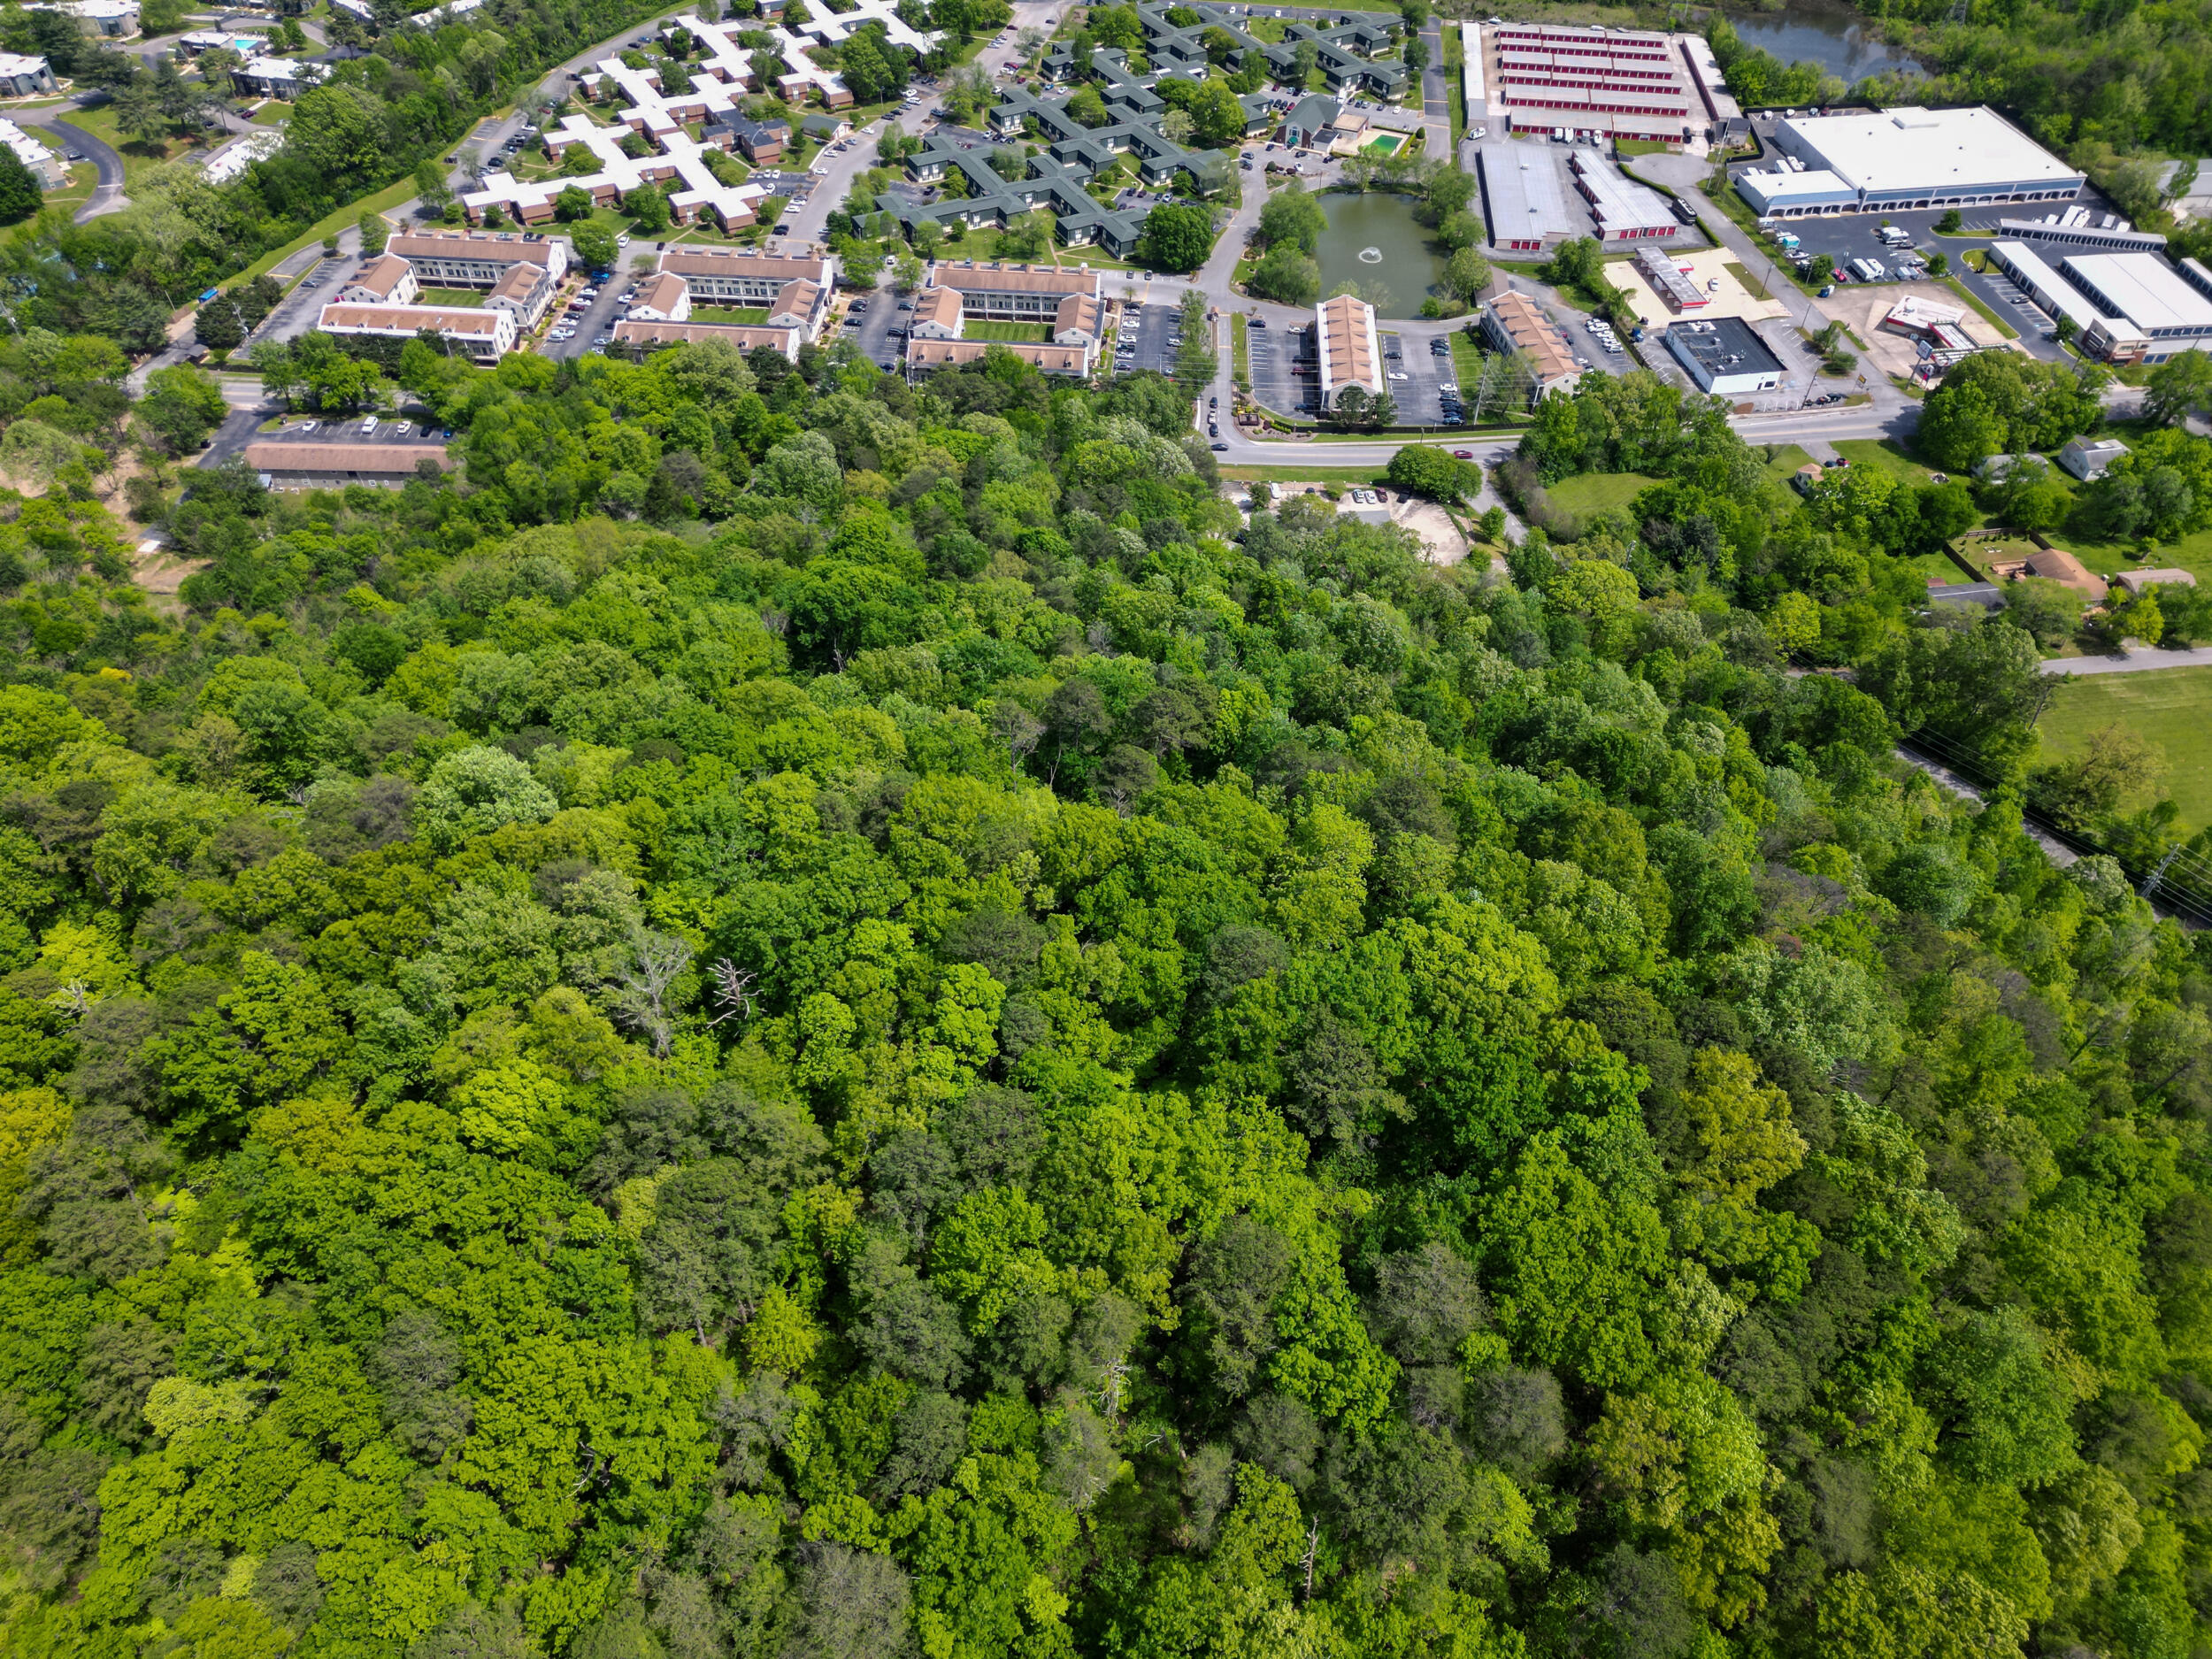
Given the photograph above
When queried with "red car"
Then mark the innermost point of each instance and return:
(1463, 455)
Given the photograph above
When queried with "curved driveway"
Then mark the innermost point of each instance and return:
(107, 195)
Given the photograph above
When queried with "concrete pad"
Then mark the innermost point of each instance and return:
(1706, 266)
(1893, 353)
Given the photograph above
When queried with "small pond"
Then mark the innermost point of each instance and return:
(1373, 240)
(1837, 38)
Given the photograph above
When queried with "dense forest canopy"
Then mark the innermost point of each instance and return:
(804, 1016)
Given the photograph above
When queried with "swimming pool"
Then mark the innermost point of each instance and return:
(1387, 142)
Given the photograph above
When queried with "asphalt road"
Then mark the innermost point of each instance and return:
(107, 195)
(2135, 659)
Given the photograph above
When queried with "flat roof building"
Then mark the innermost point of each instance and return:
(2170, 313)
(1591, 83)
(1625, 210)
(1796, 192)
(1522, 196)
(1349, 351)
(1667, 281)
(2102, 334)
(22, 76)
(1910, 156)
(1473, 86)
(1725, 356)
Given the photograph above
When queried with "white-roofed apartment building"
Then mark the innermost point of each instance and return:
(721, 74)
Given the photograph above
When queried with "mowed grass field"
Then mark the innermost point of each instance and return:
(2170, 707)
(1595, 492)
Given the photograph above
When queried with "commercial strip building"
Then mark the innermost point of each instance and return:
(1515, 323)
(1725, 356)
(1904, 158)
(1347, 346)
(2124, 307)
(333, 466)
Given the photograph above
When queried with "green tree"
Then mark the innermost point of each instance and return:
(1177, 238)
(182, 406)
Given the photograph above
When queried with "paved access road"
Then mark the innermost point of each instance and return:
(2134, 657)
(107, 195)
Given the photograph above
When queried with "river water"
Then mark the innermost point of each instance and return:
(1838, 39)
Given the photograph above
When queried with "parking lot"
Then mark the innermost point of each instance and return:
(1857, 236)
(870, 329)
(1277, 357)
(1147, 340)
(1419, 378)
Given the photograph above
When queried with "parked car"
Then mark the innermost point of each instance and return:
(1463, 455)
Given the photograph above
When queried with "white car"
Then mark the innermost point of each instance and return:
(1396, 376)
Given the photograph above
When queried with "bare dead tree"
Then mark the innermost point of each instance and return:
(733, 991)
(655, 959)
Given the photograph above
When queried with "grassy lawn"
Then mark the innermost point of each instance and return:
(1987, 315)
(1467, 359)
(1642, 147)
(1359, 475)
(1032, 333)
(1742, 273)
(389, 198)
(1595, 492)
(1787, 460)
(1240, 356)
(1884, 454)
(736, 316)
(270, 114)
(2169, 708)
(138, 156)
(451, 297)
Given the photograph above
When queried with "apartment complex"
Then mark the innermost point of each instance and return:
(1069, 304)
(486, 335)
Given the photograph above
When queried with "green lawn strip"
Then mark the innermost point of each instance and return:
(1987, 315)
(1884, 454)
(1753, 286)
(382, 201)
(1467, 359)
(270, 114)
(2169, 708)
(452, 297)
(1593, 493)
(1240, 352)
(1014, 333)
(1641, 147)
(1787, 460)
(1361, 475)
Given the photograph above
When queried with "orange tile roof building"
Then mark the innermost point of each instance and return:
(1346, 345)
